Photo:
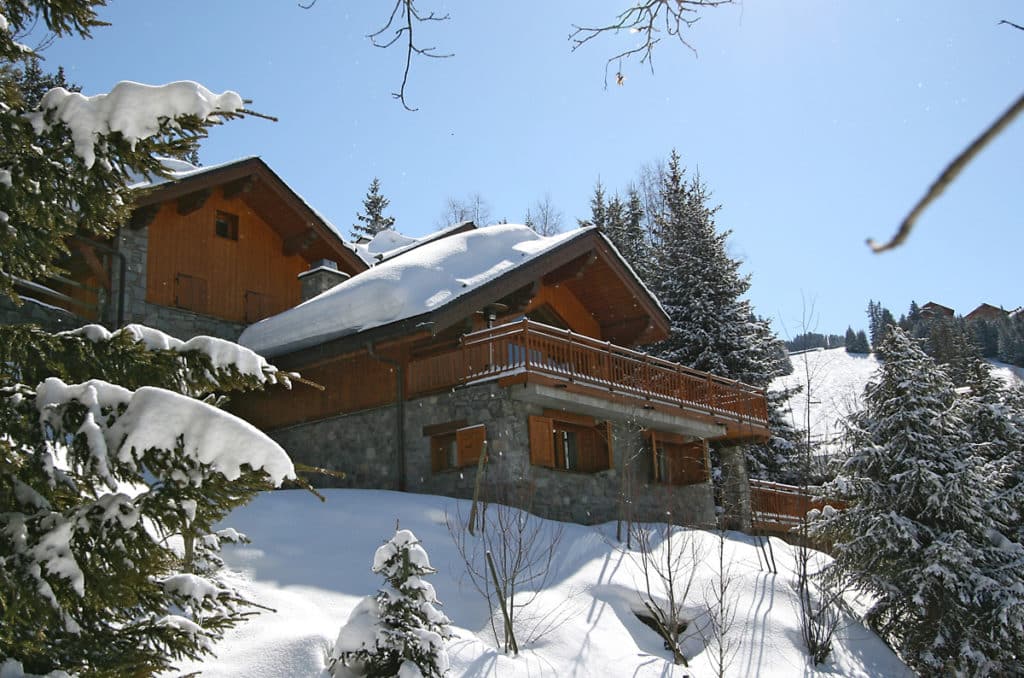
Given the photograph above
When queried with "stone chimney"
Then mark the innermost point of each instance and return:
(321, 276)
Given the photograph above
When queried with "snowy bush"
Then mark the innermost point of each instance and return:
(399, 631)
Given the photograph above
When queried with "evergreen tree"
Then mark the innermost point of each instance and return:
(399, 631)
(850, 340)
(919, 535)
(598, 209)
(862, 343)
(880, 319)
(700, 287)
(1011, 339)
(112, 446)
(371, 220)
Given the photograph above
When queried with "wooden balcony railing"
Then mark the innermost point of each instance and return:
(533, 348)
(775, 507)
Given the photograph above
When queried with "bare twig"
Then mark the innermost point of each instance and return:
(948, 175)
(406, 11)
(650, 19)
(1010, 23)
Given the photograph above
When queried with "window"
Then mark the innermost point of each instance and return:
(455, 445)
(226, 225)
(257, 306)
(570, 442)
(190, 292)
(676, 460)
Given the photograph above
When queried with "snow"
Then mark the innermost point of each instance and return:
(389, 243)
(135, 110)
(312, 563)
(837, 381)
(221, 352)
(179, 169)
(416, 282)
(155, 418)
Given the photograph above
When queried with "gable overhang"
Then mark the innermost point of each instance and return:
(302, 230)
(637, 314)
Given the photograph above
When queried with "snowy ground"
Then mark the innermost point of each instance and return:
(311, 562)
(836, 382)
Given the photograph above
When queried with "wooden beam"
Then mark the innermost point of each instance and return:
(187, 204)
(239, 186)
(143, 216)
(626, 332)
(298, 242)
(521, 298)
(572, 270)
(93, 262)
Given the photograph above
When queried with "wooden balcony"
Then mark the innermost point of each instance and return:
(530, 352)
(780, 509)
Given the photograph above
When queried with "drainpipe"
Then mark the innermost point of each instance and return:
(122, 270)
(399, 411)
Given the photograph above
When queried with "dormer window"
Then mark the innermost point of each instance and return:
(226, 225)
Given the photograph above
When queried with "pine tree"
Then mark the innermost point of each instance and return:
(919, 535)
(399, 631)
(372, 220)
(850, 340)
(598, 209)
(862, 343)
(112, 446)
(700, 287)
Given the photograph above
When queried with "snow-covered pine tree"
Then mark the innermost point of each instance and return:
(598, 209)
(371, 220)
(701, 289)
(919, 535)
(112, 453)
(399, 631)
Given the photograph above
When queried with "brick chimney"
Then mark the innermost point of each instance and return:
(321, 276)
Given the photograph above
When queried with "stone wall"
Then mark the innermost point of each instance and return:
(179, 323)
(363, 445)
(50, 318)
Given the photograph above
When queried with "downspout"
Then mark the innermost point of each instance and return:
(122, 270)
(399, 411)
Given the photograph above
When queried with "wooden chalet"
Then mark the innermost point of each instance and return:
(986, 312)
(555, 334)
(933, 310)
(206, 251)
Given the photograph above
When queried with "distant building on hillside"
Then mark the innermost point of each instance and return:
(932, 310)
(986, 312)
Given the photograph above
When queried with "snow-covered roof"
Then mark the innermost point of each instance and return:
(390, 243)
(421, 280)
(178, 170)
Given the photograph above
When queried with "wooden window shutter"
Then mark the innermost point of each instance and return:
(469, 444)
(542, 447)
(190, 292)
(609, 441)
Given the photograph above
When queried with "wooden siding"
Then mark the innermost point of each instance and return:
(353, 383)
(563, 302)
(253, 264)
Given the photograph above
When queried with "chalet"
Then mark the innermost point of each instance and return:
(986, 312)
(502, 336)
(472, 348)
(932, 310)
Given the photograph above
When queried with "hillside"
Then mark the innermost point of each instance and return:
(837, 380)
(311, 563)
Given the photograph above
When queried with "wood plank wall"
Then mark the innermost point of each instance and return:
(255, 262)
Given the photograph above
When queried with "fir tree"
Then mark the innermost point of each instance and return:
(850, 340)
(699, 285)
(919, 535)
(399, 631)
(862, 343)
(598, 209)
(111, 446)
(371, 220)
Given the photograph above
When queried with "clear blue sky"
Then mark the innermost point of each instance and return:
(817, 124)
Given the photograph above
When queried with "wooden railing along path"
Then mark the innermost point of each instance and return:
(534, 348)
(778, 508)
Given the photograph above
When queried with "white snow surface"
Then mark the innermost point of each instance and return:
(155, 418)
(311, 562)
(133, 109)
(837, 381)
(415, 282)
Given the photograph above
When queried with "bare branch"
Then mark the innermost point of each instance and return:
(948, 175)
(652, 20)
(407, 15)
(1010, 23)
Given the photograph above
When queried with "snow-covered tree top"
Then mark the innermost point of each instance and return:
(416, 282)
(155, 418)
(384, 561)
(134, 110)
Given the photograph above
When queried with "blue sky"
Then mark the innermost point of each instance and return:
(816, 124)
